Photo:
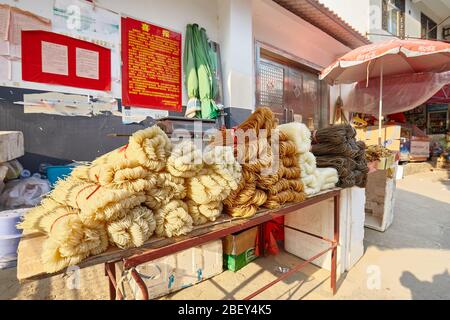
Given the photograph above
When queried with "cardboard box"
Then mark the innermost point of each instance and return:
(179, 270)
(390, 136)
(317, 219)
(239, 249)
(386, 162)
(380, 199)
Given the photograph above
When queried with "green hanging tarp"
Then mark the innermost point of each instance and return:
(190, 75)
(206, 68)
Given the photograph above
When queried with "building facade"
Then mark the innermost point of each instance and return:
(381, 19)
(272, 53)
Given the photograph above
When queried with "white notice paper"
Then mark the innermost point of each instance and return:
(87, 63)
(4, 21)
(55, 58)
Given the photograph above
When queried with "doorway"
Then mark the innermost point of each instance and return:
(292, 89)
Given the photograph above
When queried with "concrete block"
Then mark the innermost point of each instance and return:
(11, 145)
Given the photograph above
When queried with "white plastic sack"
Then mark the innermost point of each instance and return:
(23, 193)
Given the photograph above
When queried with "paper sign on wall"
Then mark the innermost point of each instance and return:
(84, 20)
(53, 58)
(4, 21)
(21, 20)
(87, 64)
(151, 72)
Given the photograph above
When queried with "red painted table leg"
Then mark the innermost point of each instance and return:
(335, 244)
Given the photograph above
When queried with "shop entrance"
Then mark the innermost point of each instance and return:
(291, 89)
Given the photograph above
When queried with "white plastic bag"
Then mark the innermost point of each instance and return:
(23, 193)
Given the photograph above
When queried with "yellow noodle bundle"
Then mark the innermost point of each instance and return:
(185, 160)
(120, 174)
(133, 229)
(203, 213)
(275, 201)
(97, 204)
(165, 188)
(245, 200)
(173, 219)
(32, 221)
(256, 174)
(149, 147)
(220, 175)
(69, 240)
(261, 118)
(288, 187)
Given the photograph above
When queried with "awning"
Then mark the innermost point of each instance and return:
(325, 19)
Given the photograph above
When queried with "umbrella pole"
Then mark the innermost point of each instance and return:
(380, 109)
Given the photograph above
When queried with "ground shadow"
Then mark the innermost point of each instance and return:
(419, 222)
(420, 290)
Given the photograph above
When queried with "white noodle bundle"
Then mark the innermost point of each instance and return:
(299, 134)
(307, 162)
(132, 230)
(173, 219)
(328, 178)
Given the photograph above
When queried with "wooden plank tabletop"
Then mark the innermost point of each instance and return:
(29, 266)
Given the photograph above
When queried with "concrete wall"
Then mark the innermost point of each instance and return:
(172, 14)
(236, 38)
(353, 12)
(294, 35)
(365, 16)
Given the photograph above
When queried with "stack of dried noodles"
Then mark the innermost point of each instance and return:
(220, 175)
(336, 147)
(312, 179)
(270, 169)
(101, 203)
(254, 156)
(287, 187)
(171, 212)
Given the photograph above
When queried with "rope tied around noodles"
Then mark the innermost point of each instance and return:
(57, 219)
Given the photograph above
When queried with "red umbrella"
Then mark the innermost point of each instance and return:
(392, 57)
(400, 92)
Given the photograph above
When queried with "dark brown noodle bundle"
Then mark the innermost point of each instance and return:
(336, 134)
(346, 149)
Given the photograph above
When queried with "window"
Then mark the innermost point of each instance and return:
(394, 17)
(429, 27)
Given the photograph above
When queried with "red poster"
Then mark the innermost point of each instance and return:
(49, 57)
(151, 71)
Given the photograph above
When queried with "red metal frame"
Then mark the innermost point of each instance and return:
(151, 254)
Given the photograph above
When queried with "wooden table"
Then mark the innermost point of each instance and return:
(30, 246)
